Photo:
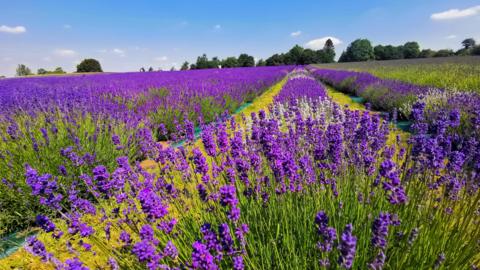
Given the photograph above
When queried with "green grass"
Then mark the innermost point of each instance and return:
(462, 72)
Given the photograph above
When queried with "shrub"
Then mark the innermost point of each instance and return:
(89, 65)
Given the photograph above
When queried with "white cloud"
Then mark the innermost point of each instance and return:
(7, 59)
(13, 29)
(451, 37)
(455, 13)
(317, 44)
(217, 27)
(67, 26)
(161, 58)
(296, 34)
(47, 59)
(65, 52)
(119, 52)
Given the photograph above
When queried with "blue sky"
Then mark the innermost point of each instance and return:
(126, 35)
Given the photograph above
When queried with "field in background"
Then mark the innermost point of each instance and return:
(460, 72)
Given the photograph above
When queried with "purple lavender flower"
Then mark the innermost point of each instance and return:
(201, 257)
(45, 223)
(75, 264)
(347, 247)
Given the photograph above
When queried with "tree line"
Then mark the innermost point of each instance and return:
(295, 56)
(87, 65)
(362, 50)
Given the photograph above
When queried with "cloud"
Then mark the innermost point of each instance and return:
(119, 52)
(451, 36)
(161, 58)
(296, 34)
(317, 44)
(13, 29)
(455, 13)
(217, 27)
(67, 26)
(65, 52)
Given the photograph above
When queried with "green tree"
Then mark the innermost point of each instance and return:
(214, 63)
(202, 62)
(393, 52)
(476, 50)
(358, 50)
(150, 69)
(379, 52)
(184, 66)
(261, 63)
(444, 53)
(308, 57)
(42, 71)
(230, 62)
(89, 65)
(468, 43)
(245, 60)
(59, 70)
(426, 53)
(411, 49)
(328, 52)
(23, 70)
(294, 56)
(275, 60)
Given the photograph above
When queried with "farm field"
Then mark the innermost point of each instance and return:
(455, 73)
(303, 176)
(240, 135)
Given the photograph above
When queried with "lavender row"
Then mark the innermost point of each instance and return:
(394, 95)
(301, 84)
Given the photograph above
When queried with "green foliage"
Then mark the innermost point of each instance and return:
(184, 66)
(261, 63)
(411, 50)
(230, 62)
(444, 53)
(58, 70)
(89, 65)
(23, 70)
(468, 43)
(358, 50)
(476, 50)
(426, 53)
(245, 60)
(202, 62)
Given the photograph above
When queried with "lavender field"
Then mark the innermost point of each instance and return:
(240, 135)
(304, 184)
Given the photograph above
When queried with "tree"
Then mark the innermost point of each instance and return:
(358, 50)
(230, 62)
(468, 43)
(150, 69)
(411, 50)
(184, 66)
(245, 60)
(172, 68)
(275, 60)
(261, 63)
(193, 66)
(89, 65)
(426, 53)
(308, 57)
(142, 69)
(23, 70)
(59, 70)
(379, 52)
(476, 50)
(328, 52)
(214, 63)
(444, 53)
(202, 62)
(393, 52)
(294, 56)
(42, 71)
